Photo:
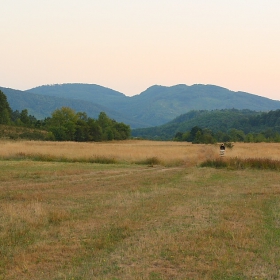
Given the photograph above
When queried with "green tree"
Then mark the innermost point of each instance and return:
(207, 137)
(82, 127)
(121, 131)
(82, 131)
(112, 130)
(260, 138)
(5, 110)
(106, 126)
(195, 134)
(63, 124)
(186, 136)
(249, 138)
(66, 125)
(95, 131)
(178, 136)
(236, 135)
(24, 118)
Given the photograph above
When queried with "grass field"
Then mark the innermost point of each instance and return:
(151, 212)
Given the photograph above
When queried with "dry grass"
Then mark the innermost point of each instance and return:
(165, 153)
(63, 220)
(255, 150)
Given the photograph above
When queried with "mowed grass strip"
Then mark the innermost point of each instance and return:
(94, 221)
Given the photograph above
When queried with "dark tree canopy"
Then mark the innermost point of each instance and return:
(67, 125)
(5, 110)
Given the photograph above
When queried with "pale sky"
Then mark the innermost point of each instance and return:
(130, 45)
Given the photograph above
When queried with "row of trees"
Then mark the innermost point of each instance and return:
(224, 120)
(198, 135)
(66, 125)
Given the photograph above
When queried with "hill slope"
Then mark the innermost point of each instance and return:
(217, 120)
(41, 106)
(88, 92)
(162, 104)
(155, 106)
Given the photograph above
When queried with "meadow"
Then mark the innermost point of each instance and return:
(138, 210)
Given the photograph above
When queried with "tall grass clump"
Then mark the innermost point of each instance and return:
(262, 163)
(238, 163)
(59, 158)
(149, 161)
(103, 160)
(216, 163)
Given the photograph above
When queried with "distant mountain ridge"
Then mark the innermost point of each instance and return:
(155, 106)
(87, 92)
(42, 106)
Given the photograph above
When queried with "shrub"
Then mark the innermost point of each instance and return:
(219, 163)
(149, 161)
(229, 145)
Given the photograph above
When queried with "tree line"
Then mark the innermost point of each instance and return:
(198, 135)
(65, 124)
(215, 125)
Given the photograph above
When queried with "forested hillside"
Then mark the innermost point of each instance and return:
(155, 106)
(87, 92)
(216, 121)
(42, 106)
(65, 124)
(162, 104)
(201, 126)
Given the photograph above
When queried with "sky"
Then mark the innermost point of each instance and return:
(130, 45)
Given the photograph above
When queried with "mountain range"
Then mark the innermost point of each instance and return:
(155, 106)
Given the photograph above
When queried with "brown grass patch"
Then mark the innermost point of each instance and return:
(141, 152)
(65, 220)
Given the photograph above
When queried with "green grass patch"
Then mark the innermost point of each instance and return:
(272, 224)
(107, 238)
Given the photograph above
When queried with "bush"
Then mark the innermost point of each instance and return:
(150, 161)
(229, 145)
